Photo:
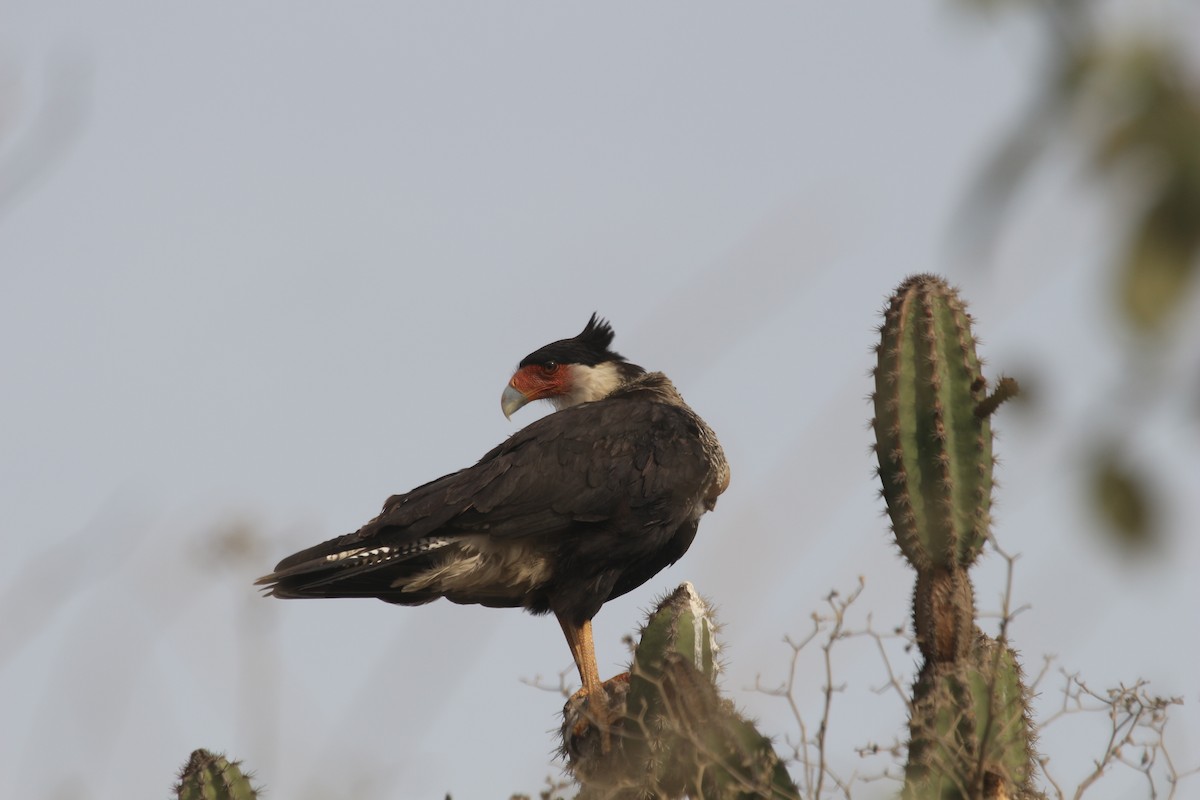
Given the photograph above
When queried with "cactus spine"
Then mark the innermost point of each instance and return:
(970, 730)
(207, 776)
(675, 735)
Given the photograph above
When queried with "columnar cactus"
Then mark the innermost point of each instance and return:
(675, 734)
(207, 776)
(935, 454)
(970, 730)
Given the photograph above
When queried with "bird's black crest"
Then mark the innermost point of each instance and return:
(589, 348)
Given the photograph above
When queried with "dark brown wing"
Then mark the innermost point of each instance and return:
(617, 476)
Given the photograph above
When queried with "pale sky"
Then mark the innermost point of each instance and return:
(284, 256)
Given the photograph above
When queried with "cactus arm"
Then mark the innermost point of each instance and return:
(935, 458)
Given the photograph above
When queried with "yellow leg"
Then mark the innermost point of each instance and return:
(584, 652)
(579, 638)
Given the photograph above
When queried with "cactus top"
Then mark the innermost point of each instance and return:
(934, 450)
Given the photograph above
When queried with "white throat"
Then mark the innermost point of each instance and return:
(588, 384)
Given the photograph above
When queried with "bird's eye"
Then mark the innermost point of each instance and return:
(550, 367)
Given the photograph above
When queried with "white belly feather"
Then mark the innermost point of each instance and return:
(478, 565)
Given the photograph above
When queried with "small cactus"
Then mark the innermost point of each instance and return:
(208, 776)
(681, 624)
(675, 735)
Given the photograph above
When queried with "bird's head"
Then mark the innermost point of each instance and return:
(570, 371)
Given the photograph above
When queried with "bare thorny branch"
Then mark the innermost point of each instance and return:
(564, 687)
(1137, 718)
(1136, 735)
(810, 751)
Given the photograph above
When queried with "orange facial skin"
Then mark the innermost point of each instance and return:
(538, 381)
(534, 382)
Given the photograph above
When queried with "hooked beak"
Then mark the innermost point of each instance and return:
(512, 399)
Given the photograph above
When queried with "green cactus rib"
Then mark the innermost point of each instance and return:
(1003, 725)
(681, 623)
(970, 728)
(680, 631)
(209, 776)
(716, 753)
(934, 451)
(677, 736)
(700, 746)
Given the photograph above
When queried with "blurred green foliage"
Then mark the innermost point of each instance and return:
(1122, 496)
(1123, 95)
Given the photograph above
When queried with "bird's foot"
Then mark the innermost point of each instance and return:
(600, 709)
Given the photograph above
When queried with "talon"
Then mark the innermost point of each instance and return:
(596, 708)
(579, 700)
(593, 710)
